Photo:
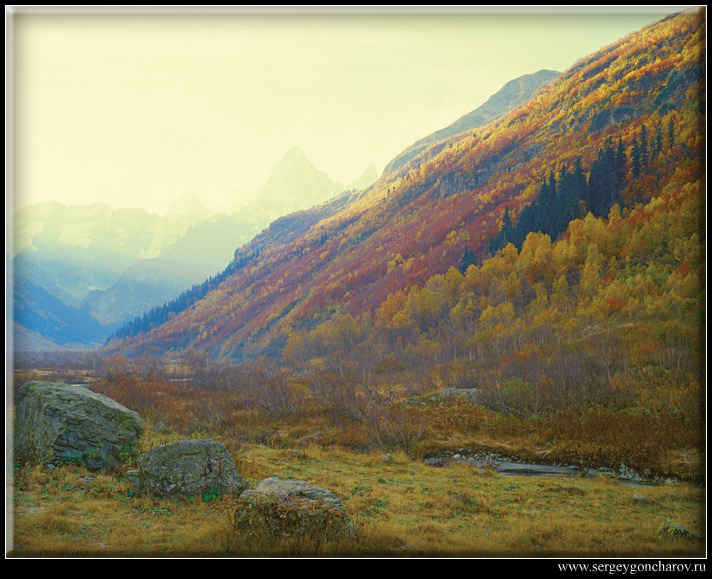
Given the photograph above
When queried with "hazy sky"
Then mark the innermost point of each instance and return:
(139, 109)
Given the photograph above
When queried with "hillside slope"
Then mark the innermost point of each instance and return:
(41, 320)
(510, 96)
(331, 282)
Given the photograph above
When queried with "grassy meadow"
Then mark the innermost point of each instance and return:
(400, 509)
(400, 506)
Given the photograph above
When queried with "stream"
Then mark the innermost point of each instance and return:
(514, 467)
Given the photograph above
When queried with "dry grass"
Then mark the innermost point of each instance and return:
(400, 508)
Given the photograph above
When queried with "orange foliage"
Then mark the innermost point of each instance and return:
(451, 198)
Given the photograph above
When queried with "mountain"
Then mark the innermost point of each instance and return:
(203, 250)
(41, 320)
(294, 184)
(281, 231)
(493, 241)
(510, 96)
(208, 246)
(107, 266)
(367, 178)
(72, 250)
(183, 214)
(63, 257)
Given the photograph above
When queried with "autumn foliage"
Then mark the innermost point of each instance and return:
(554, 259)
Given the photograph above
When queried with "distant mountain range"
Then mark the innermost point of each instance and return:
(97, 267)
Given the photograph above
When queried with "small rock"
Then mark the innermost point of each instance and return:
(85, 481)
(641, 498)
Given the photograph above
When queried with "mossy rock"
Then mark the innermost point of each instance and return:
(57, 422)
(187, 469)
(292, 508)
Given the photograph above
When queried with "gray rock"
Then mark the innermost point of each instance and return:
(285, 507)
(61, 422)
(640, 498)
(187, 468)
(469, 395)
(673, 529)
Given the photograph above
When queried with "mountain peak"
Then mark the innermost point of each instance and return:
(295, 183)
(187, 204)
(293, 157)
(368, 177)
(294, 151)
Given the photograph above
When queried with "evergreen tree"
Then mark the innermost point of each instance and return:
(621, 164)
(644, 152)
(546, 207)
(671, 134)
(526, 224)
(506, 234)
(572, 188)
(507, 227)
(602, 180)
(468, 258)
(635, 162)
(659, 141)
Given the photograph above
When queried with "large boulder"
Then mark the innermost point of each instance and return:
(187, 468)
(287, 508)
(64, 422)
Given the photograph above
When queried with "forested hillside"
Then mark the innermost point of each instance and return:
(558, 249)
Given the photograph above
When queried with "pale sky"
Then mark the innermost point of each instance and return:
(135, 110)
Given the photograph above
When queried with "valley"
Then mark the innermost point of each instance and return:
(494, 349)
(400, 468)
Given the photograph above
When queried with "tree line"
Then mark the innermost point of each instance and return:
(160, 314)
(573, 193)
